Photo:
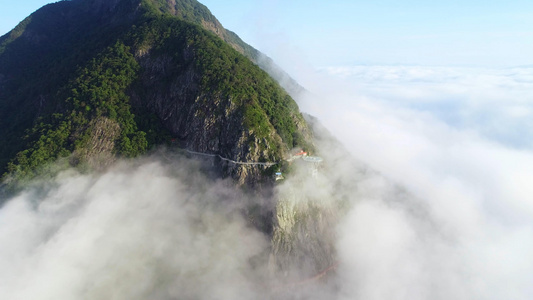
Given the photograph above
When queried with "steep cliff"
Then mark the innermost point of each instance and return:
(135, 74)
(91, 81)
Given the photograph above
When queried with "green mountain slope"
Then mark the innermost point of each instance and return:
(92, 80)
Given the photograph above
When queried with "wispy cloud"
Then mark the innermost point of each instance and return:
(433, 207)
(493, 102)
(141, 231)
(448, 136)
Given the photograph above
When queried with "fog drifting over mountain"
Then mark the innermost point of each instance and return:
(448, 214)
(149, 229)
(459, 140)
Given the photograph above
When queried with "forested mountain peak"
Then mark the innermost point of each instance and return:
(93, 80)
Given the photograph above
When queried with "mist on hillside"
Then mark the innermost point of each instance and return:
(158, 227)
(458, 140)
(153, 228)
(435, 205)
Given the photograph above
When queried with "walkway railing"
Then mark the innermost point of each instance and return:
(267, 164)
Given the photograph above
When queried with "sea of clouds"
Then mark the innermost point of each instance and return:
(460, 141)
(145, 229)
(439, 203)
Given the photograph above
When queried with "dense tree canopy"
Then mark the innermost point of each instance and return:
(66, 72)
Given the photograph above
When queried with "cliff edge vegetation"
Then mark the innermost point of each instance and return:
(93, 80)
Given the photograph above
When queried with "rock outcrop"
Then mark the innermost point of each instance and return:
(200, 82)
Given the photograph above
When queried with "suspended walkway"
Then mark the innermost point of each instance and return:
(266, 164)
(309, 159)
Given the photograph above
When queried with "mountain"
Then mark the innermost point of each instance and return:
(93, 80)
(85, 82)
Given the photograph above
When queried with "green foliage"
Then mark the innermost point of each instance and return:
(266, 107)
(188, 10)
(98, 91)
(85, 69)
(100, 88)
(14, 34)
(266, 104)
(155, 133)
(52, 143)
(37, 60)
(132, 145)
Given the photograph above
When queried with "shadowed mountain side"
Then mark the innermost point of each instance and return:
(152, 69)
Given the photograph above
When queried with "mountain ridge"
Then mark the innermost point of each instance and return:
(87, 82)
(76, 67)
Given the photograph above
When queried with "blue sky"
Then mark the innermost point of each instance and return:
(325, 33)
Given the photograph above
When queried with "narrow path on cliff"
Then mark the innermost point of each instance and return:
(302, 155)
(267, 164)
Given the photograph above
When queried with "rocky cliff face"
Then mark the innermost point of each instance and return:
(198, 121)
(305, 221)
(98, 150)
(206, 95)
(96, 80)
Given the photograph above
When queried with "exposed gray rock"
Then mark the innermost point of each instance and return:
(201, 122)
(97, 153)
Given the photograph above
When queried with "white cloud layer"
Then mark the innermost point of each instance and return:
(136, 232)
(459, 140)
(448, 217)
(496, 103)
